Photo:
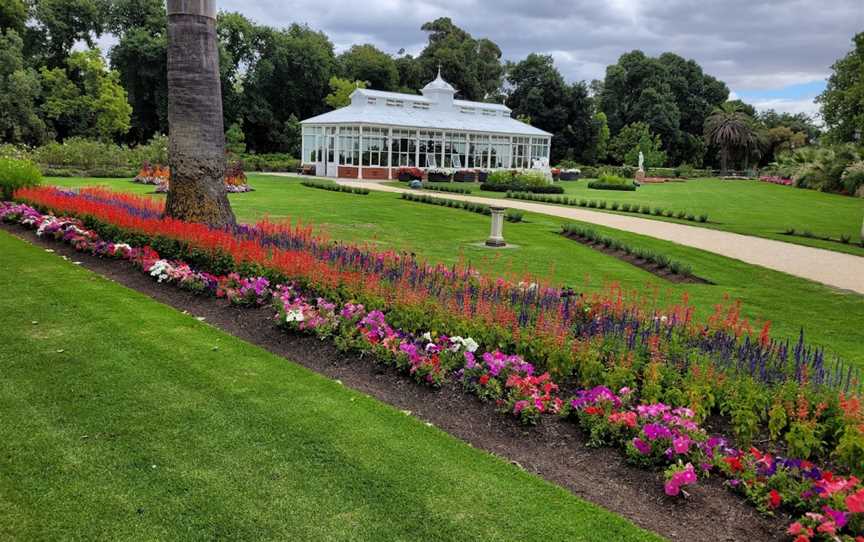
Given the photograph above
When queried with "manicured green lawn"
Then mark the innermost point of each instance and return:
(746, 207)
(124, 419)
(449, 235)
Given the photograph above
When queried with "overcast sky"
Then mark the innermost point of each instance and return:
(772, 53)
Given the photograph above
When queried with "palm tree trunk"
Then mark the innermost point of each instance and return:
(196, 135)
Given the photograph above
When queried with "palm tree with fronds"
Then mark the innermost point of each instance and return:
(734, 132)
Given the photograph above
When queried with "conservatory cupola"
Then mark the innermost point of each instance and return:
(439, 92)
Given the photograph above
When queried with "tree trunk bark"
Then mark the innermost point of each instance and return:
(196, 134)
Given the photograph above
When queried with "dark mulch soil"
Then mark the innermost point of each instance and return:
(640, 263)
(554, 450)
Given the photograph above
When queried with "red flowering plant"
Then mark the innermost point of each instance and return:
(487, 377)
(528, 397)
(602, 414)
(248, 292)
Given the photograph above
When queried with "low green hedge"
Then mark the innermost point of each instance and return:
(612, 182)
(512, 215)
(333, 187)
(515, 187)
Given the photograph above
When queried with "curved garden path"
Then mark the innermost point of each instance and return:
(843, 271)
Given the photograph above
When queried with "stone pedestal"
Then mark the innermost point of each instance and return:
(496, 235)
(640, 175)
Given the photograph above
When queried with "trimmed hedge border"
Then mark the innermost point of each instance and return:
(333, 187)
(663, 262)
(611, 206)
(516, 187)
(450, 189)
(479, 208)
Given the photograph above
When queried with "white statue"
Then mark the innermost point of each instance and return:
(641, 162)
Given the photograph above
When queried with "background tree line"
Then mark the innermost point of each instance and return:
(51, 89)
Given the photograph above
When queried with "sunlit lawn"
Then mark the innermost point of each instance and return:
(746, 207)
(383, 220)
(124, 419)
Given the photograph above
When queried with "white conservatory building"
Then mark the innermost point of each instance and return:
(380, 132)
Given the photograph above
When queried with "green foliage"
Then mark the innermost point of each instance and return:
(445, 188)
(603, 136)
(369, 64)
(85, 99)
(612, 182)
(661, 261)
(340, 91)
(821, 168)
(62, 24)
(80, 156)
(15, 174)
(853, 177)
(842, 101)
(235, 139)
(633, 138)
(540, 93)
(20, 90)
(734, 133)
(269, 162)
(13, 16)
(672, 95)
(472, 65)
(334, 187)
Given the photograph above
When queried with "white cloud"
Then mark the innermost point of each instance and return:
(782, 105)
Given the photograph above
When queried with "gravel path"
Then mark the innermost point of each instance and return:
(843, 271)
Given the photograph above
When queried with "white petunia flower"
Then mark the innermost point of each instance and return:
(295, 315)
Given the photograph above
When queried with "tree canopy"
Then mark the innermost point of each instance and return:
(843, 99)
(369, 64)
(673, 96)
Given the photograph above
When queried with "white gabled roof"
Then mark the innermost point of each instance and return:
(436, 110)
(409, 116)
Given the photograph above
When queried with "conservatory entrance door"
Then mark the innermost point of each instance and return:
(331, 165)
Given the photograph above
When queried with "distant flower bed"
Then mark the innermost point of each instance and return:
(774, 179)
(516, 342)
(235, 178)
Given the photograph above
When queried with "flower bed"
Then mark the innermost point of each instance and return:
(774, 179)
(409, 174)
(663, 360)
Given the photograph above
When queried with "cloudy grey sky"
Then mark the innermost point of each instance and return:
(772, 53)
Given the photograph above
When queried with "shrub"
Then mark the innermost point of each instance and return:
(91, 158)
(15, 174)
(658, 211)
(612, 182)
(853, 178)
(684, 171)
(269, 162)
(645, 210)
(625, 207)
(703, 218)
(614, 206)
(513, 215)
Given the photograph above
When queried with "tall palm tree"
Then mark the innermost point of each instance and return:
(733, 131)
(196, 135)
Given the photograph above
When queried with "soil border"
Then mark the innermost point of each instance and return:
(554, 450)
(635, 261)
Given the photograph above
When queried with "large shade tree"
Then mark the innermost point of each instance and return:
(196, 135)
(843, 99)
